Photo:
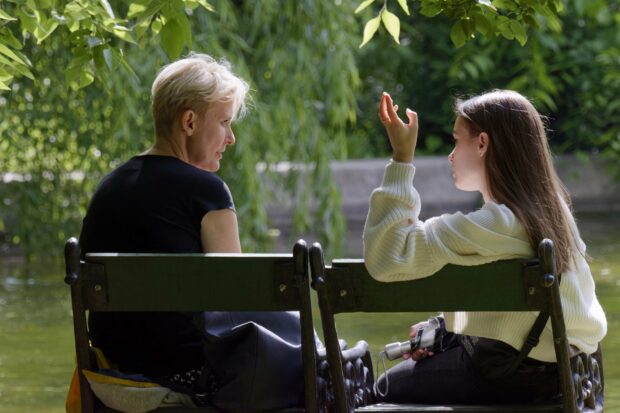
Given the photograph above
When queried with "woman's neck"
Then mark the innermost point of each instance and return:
(167, 147)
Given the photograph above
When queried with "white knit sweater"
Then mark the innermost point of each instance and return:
(398, 246)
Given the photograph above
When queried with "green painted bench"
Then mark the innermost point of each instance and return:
(524, 285)
(190, 282)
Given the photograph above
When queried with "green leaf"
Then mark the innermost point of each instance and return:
(457, 34)
(5, 16)
(9, 53)
(172, 9)
(73, 24)
(370, 29)
(172, 38)
(430, 8)
(504, 4)
(519, 32)
(364, 4)
(145, 15)
(482, 23)
(186, 30)
(45, 27)
(156, 26)
(531, 21)
(15, 68)
(85, 78)
(123, 33)
(404, 6)
(24, 71)
(503, 26)
(469, 27)
(391, 23)
(7, 38)
(27, 22)
(79, 73)
(98, 58)
(136, 8)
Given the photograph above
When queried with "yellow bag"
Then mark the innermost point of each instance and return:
(122, 394)
(74, 401)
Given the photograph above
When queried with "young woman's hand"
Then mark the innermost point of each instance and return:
(403, 137)
(418, 353)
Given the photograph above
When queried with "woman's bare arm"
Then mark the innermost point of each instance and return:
(219, 231)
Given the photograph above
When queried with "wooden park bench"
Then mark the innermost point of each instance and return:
(188, 283)
(511, 285)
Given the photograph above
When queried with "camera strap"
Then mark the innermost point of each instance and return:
(382, 357)
(534, 335)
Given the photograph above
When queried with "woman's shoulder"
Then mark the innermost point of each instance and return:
(501, 214)
(489, 215)
(491, 218)
(492, 230)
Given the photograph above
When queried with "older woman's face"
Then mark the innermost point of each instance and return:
(212, 135)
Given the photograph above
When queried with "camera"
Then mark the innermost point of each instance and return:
(428, 337)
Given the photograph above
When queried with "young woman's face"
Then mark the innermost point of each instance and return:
(467, 159)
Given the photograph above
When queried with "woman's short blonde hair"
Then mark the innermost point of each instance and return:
(192, 83)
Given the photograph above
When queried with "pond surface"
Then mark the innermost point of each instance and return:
(36, 336)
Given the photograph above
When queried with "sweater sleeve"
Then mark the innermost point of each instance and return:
(399, 246)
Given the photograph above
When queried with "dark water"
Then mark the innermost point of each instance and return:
(36, 337)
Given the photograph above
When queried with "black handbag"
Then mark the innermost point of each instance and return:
(255, 358)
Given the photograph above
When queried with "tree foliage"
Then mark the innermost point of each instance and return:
(572, 76)
(508, 18)
(96, 31)
(75, 78)
(60, 140)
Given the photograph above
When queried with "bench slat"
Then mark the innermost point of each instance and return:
(489, 287)
(192, 410)
(143, 282)
(399, 408)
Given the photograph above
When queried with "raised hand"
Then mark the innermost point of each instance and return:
(403, 137)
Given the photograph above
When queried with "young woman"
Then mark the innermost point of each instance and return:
(500, 151)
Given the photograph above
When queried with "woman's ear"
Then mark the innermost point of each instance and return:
(483, 143)
(188, 122)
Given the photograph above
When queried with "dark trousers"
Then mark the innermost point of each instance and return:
(450, 377)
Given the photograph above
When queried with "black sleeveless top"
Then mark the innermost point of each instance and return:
(151, 204)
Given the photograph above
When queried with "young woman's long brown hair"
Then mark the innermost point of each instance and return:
(519, 167)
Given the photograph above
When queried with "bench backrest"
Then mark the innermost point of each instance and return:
(491, 287)
(515, 285)
(190, 282)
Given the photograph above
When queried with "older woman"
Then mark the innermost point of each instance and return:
(169, 200)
